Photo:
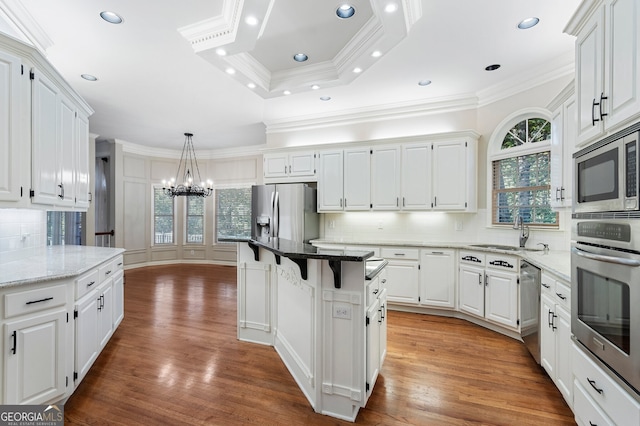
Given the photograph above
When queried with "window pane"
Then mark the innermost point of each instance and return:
(539, 130)
(233, 213)
(195, 220)
(162, 217)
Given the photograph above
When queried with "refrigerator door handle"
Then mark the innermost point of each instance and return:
(272, 213)
(276, 215)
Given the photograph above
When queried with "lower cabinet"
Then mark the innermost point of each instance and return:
(437, 278)
(555, 334)
(376, 325)
(403, 274)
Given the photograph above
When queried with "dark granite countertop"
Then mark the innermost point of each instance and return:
(297, 250)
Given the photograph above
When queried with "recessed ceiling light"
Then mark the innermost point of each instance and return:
(251, 85)
(391, 7)
(251, 20)
(528, 23)
(111, 17)
(376, 53)
(300, 57)
(89, 77)
(492, 67)
(345, 11)
(221, 52)
(357, 70)
(315, 87)
(325, 98)
(424, 82)
(230, 71)
(286, 92)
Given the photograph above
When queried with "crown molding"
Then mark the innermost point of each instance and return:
(174, 154)
(24, 23)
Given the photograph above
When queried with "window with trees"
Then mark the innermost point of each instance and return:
(522, 175)
(195, 220)
(233, 213)
(163, 217)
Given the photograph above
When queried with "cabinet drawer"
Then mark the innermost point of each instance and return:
(563, 294)
(472, 258)
(86, 283)
(106, 271)
(586, 410)
(503, 262)
(24, 302)
(399, 253)
(613, 400)
(118, 264)
(547, 285)
(373, 289)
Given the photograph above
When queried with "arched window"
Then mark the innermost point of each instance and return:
(520, 171)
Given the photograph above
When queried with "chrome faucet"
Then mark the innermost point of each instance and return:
(518, 223)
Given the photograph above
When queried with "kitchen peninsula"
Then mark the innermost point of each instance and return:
(324, 311)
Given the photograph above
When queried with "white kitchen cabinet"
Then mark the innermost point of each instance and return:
(607, 66)
(35, 336)
(437, 278)
(10, 165)
(292, 166)
(331, 182)
(416, 176)
(105, 312)
(87, 330)
(83, 187)
(563, 137)
(489, 287)
(374, 328)
(118, 299)
(455, 175)
(402, 274)
(555, 334)
(385, 178)
(357, 179)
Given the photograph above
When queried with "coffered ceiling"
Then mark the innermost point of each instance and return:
(224, 69)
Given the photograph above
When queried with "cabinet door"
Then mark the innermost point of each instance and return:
(547, 335)
(383, 325)
(416, 177)
(437, 278)
(83, 187)
(402, 281)
(564, 373)
(385, 178)
(118, 299)
(67, 152)
(331, 181)
(275, 165)
(9, 127)
(449, 175)
(105, 313)
(373, 344)
(86, 335)
(501, 298)
(622, 61)
(589, 70)
(557, 156)
(35, 360)
(302, 164)
(471, 290)
(568, 146)
(357, 179)
(44, 120)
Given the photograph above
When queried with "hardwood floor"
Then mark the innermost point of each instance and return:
(175, 360)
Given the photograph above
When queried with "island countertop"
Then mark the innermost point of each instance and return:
(298, 250)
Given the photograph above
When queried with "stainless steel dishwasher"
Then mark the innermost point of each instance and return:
(530, 307)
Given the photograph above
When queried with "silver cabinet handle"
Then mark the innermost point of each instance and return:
(603, 258)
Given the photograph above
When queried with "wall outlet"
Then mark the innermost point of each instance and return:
(332, 224)
(458, 225)
(380, 225)
(342, 311)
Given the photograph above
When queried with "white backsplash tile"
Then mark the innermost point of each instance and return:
(436, 227)
(22, 231)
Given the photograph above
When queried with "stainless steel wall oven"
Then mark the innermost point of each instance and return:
(605, 306)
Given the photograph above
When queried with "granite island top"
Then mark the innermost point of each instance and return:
(297, 250)
(53, 263)
(557, 262)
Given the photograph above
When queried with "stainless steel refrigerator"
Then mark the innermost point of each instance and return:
(284, 211)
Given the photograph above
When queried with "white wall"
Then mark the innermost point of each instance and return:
(21, 232)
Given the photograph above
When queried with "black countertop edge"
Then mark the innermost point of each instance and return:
(298, 250)
(379, 265)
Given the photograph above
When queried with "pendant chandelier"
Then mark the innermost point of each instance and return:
(189, 166)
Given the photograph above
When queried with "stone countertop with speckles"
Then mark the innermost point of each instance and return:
(53, 263)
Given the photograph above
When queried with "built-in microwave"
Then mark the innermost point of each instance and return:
(606, 174)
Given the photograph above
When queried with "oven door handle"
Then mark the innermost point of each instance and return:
(603, 258)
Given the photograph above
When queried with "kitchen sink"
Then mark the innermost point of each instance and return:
(504, 247)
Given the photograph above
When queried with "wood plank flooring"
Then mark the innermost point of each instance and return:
(175, 360)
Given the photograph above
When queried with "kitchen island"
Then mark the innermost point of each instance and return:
(323, 311)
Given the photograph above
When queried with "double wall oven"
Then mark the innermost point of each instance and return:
(605, 255)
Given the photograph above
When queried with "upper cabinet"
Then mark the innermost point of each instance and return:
(290, 166)
(10, 75)
(45, 142)
(607, 66)
(563, 140)
(414, 176)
